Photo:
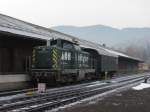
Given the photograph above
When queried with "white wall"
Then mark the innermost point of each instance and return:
(14, 78)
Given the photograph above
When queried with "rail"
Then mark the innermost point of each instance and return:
(65, 95)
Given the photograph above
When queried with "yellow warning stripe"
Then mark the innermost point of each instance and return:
(54, 58)
(33, 56)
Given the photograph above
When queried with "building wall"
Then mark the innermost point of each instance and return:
(11, 81)
(143, 66)
(15, 53)
(125, 64)
(14, 59)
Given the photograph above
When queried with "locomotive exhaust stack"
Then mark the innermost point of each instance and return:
(48, 43)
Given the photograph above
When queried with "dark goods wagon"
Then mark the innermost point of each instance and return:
(107, 65)
(62, 61)
(104, 64)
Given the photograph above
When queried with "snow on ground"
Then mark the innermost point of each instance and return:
(92, 99)
(96, 98)
(97, 84)
(141, 86)
(11, 97)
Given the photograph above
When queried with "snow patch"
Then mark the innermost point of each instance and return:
(63, 107)
(3, 98)
(96, 84)
(141, 86)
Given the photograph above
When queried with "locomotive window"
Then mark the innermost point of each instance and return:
(63, 56)
(85, 61)
(67, 46)
(66, 55)
(69, 56)
(54, 42)
(77, 47)
(76, 56)
(80, 56)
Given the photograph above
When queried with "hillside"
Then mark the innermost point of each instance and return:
(105, 34)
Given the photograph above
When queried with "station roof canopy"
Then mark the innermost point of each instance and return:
(19, 27)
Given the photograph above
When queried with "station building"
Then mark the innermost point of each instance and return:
(17, 39)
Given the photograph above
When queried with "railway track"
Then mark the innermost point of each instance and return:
(8, 93)
(65, 95)
(60, 89)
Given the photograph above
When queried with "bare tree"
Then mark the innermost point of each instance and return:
(142, 52)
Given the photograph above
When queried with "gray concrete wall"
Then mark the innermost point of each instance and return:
(14, 78)
(10, 82)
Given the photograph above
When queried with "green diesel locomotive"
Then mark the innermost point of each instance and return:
(62, 61)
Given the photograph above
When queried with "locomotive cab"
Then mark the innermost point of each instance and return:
(64, 44)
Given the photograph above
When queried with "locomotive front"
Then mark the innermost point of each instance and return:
(45, 58)
(45, 64)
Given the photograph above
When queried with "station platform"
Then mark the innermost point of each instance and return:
(14, 81)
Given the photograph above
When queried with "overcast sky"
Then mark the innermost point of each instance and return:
(116, 13)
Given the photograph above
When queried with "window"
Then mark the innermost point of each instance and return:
(63, 56)
(77, 47)
(66, 55)
(69, 56)
(85, 61)
(53, 43)
(80, 57)
(67, 46)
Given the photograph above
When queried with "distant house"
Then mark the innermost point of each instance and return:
(143, 66)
